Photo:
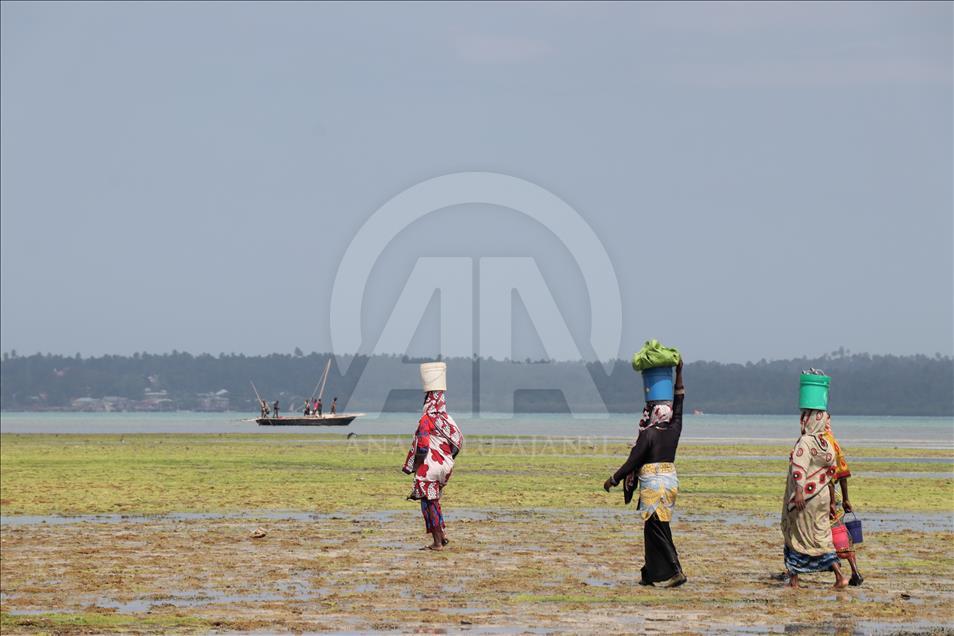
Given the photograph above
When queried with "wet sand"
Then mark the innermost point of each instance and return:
(154, 534)
(505, 571)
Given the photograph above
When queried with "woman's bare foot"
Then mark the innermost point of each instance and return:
(439, 540)
(433, 547)
(841, 581)
(793, 581)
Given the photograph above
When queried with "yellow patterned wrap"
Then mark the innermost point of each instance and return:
(658, 487)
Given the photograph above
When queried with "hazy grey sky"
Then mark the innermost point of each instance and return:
(768, 180)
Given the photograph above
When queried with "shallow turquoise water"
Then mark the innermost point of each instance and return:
(927, 432)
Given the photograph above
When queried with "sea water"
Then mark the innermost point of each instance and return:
(886, 431)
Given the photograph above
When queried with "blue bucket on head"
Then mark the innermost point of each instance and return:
(657, 383)
(854, 528)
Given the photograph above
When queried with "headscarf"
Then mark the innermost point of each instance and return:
(435, 414)
(655, 415)
(814, 422)
(435, 420)
(812, 460)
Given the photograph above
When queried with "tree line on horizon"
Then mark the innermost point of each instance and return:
(862, 384)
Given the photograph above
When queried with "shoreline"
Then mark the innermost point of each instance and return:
(311, 436)
(924, 432)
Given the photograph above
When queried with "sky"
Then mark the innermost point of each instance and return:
(766, 180)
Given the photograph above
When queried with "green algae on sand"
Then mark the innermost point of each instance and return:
(151, 474)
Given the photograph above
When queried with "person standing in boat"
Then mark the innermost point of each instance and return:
(264, 408)
(436, 444)
(318, 407)
(307, 411)
(334, 405)
(275, 407)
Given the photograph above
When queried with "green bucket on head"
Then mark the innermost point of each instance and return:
(813, 392)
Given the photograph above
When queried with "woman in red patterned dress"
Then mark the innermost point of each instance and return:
(433, 451)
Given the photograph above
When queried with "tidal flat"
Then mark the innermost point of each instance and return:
(164, 541)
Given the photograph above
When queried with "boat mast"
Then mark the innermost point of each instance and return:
(324, 378)
(256, 392)
(320, 387)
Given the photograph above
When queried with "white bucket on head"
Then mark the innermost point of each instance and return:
(434, 376)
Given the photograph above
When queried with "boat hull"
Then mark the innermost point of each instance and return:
(307, 420)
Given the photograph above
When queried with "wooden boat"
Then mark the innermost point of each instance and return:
(339, 419)
(336, 419)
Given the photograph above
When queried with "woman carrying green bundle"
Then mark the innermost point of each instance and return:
(650, 468)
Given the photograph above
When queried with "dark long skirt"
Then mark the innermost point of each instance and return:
(662, 560)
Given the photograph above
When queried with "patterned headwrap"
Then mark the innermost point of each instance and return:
(435, 420)
(812, 460)
(815, 423)
(655, 414)
(435, 410)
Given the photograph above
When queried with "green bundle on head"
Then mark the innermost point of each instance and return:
(654, 354)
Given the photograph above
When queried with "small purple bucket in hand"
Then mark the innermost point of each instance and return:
(854, 528)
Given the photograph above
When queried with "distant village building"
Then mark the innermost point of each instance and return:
(115, 403)
(217, 401)
(155, 401)
(87, 404)
(106, 404)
